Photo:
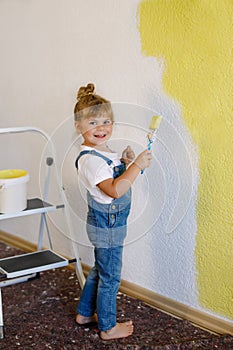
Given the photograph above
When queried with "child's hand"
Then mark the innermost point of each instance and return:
(128, 155)
(143, 160)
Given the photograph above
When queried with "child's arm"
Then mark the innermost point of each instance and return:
(115, 188)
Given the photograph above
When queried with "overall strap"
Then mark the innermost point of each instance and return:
(94, 153)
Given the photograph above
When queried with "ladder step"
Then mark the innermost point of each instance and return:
(34, 206)
(24, 264)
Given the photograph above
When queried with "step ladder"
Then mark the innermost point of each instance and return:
(25, 267)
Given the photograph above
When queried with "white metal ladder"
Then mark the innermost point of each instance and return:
(22, 268)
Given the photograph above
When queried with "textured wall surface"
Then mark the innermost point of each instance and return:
(195, 39)
(148, 57)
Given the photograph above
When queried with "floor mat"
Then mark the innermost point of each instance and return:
(40, 314)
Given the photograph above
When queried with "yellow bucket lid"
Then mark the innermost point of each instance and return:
(11, 177)
(12, 173)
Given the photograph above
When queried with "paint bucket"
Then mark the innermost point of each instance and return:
(13, 190)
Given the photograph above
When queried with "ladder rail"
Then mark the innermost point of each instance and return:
(23, 129)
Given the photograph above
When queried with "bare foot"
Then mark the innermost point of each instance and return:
(82, 320)
(121, 330)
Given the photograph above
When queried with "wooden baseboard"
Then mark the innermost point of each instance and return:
(199, 318)
(17, 242)
(177, 309)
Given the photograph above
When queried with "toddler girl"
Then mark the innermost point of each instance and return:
(108, 181)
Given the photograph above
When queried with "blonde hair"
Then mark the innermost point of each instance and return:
(89, 104)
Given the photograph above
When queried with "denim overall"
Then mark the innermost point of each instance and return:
(106, 229)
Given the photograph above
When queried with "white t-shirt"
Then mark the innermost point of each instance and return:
(93, 169)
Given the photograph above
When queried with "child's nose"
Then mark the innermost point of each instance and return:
(101, 126)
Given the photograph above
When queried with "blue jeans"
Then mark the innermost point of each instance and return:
(101, 287)
(106, 229)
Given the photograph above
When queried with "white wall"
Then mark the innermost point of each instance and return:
(50, 48)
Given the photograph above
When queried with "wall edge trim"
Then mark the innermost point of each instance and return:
(199, 318)
(170, 306)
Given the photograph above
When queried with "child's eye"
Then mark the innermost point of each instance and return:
(108, 122)
(92, 122)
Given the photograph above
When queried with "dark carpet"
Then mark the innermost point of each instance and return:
(40, 314)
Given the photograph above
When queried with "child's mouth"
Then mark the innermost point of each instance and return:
(100, 136)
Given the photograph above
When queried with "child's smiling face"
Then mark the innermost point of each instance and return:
(96, 130)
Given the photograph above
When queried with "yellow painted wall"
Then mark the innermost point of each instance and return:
(195, 38)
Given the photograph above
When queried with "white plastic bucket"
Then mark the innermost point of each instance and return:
(13, 190)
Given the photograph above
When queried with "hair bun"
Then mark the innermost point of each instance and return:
(85, 90)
